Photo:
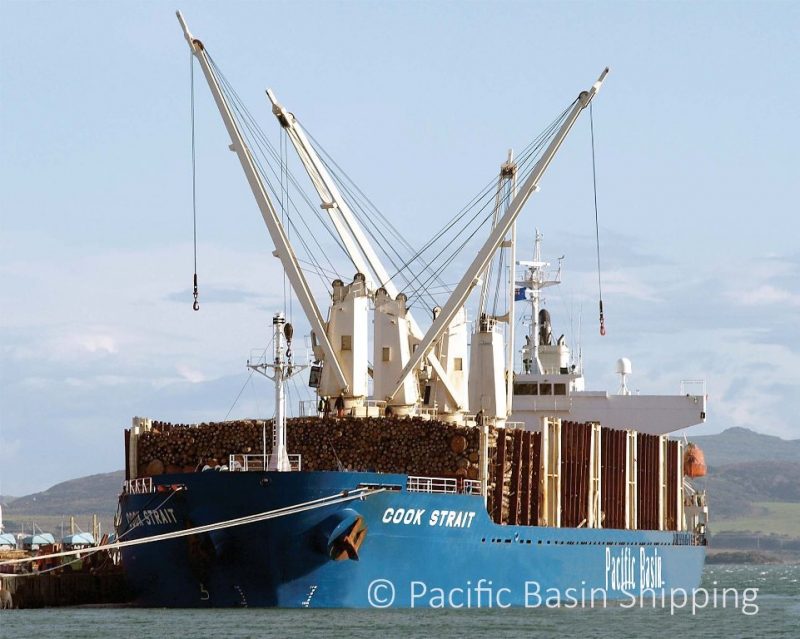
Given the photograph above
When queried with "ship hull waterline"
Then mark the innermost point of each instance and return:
(419, 550)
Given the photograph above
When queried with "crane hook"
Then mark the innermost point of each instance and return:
(196, 305)
(602, 320)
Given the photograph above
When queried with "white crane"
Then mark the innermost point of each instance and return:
(471, 277)
(283, 249)
(356, 244)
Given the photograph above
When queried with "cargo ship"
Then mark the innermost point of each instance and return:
(452, 470)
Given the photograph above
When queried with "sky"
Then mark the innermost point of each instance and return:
(696, 132)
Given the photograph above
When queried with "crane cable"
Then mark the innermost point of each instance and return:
(596, 225)
(196, 304)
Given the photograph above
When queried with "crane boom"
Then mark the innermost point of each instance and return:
(356, 244)
(283, 248)
(471, 277)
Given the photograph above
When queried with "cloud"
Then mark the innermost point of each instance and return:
(97, 343)
(629, 284)
(190, 374)
(771, 281)
(767, 294)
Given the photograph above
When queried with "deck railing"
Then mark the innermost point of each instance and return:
(247, 463)
(448, 485)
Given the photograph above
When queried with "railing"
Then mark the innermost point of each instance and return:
(369, 408)
(696, 384)
(550, 402)
(447, 485)
(429, 413)
(138, 486)
(247, 463)
(469, 419)
(696, 498)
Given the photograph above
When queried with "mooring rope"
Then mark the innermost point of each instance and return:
(331, 500)
(137, 522)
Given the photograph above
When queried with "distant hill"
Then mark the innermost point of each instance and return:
(753, 488)
(85, 495)
(737, 490)
(738, 445)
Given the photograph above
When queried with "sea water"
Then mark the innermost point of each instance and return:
(775, 613)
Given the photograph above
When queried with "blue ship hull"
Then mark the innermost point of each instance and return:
(420, 549)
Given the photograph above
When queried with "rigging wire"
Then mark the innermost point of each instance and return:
(486, 191)
(596, 224)
(259, 143)
(196, 304)
(366, 212)
(249, 377)
(364, 206)
(525, 167)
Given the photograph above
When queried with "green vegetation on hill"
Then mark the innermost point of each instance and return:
(779, 518)
(753, 488)
(738, 445)
(736, 489)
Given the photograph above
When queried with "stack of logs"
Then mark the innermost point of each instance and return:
(175, 448)
(516, 487)
(514, 476)
(387, 444)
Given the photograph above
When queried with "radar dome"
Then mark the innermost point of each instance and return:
(624, 366)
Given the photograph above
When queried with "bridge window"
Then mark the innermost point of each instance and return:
(560, 389)
(545, 389)
(521, 388)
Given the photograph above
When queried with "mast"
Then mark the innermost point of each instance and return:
(536, 279)
(283, 249)
(470, 277)
(280, 458)
(282, 368)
